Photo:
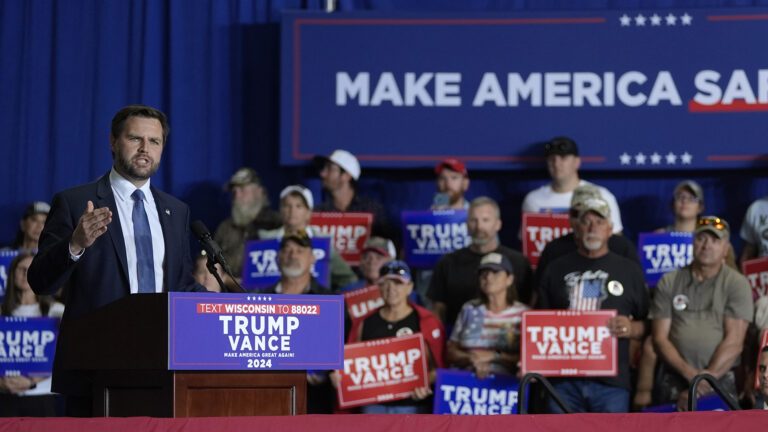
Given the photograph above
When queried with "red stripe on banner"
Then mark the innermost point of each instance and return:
(736, 106)
(730, 158)
(756, 17)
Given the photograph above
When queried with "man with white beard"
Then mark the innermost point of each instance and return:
(250, 213)
(295, 259)
(455, 281)
(593, 278)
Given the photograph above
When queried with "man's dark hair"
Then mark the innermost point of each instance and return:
(118, 121)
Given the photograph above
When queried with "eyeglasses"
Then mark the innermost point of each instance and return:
(396, 270)
(714, 222)
(687, 198)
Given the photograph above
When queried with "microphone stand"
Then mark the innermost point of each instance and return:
(210, 263)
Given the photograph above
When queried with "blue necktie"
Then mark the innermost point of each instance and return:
(145, 263)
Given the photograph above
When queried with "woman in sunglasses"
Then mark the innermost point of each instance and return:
(400, 317)
(486, 336)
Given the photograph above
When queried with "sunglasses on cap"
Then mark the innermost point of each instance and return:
(714, 222)
(394, 270)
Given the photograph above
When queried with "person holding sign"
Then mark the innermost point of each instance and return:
(594, 278)
(486, 336)
(340, 172)
(22, 396)
(452, 183)
(700, 317)
(761, 401)
(399, 317)
(454, 281)
(295, 212)
(112, 238)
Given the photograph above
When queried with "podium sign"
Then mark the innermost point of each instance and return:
(382, 370)
(349, 231)
(260, 263)
(460, 392)
(568, 343)
(756, 271)
(539, 229)
(663, 252)
(27, 346)
(429, 234)
(255, 331)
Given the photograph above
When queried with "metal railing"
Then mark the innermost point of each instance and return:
(693, 397)
(522, 400)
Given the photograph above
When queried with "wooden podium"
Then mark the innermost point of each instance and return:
(126, 353)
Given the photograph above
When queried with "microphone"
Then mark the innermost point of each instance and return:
(213, 250)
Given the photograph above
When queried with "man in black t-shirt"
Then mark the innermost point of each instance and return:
(593, 278)
(455, 278)
(560, 246)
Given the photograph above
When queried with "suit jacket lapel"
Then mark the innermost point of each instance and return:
(105, 198)
(165, 215)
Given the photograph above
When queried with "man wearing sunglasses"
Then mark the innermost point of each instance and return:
(563, 164)
(700, 316)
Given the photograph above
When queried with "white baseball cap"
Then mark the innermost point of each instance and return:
(301, 190)
(346, 160)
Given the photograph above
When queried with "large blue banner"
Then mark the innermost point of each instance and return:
(663, 252)
(255, 331)
(27, 345)
(260, 263)
(460, 392)
(6, 257)
(429, 234)
(658, 89)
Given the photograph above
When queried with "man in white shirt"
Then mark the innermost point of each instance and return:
(563, 164)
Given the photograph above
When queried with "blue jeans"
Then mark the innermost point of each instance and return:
(390, 409)
(585, 395)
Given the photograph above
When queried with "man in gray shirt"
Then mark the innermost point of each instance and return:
(700, 316)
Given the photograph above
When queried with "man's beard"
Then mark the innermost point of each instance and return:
(292, 269)
(455, 196)
(592, 241)
(133, 173)
(245, 213)
(482, 241)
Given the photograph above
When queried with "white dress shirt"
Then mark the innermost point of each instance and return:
(122, 190)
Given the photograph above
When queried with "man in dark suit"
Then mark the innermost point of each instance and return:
(113, 237)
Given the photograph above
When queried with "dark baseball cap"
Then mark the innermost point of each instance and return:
(562, 146)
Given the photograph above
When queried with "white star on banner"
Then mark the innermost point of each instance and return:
(249, 298)
(270, 298)
(640, 20)
(671, 158)
(671, 19)
(625, 158)
(655, 20)
(625, 20)
(640, 159)
(686, 158)
(259, 298)
(655, 158)
(686, 19)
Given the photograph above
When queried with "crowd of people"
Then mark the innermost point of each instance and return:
(700, 318)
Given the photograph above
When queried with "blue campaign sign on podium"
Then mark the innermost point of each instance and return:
(255, 332)
(670, 89)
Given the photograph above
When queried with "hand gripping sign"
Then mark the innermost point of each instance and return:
(663, 252)
(429, 234)
(348, 231)
(382, 370)
(756, 271)
(568, 343)
(363, 300)
(539, 229)
(460, 392)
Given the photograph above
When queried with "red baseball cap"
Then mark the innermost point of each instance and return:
(453, 164)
